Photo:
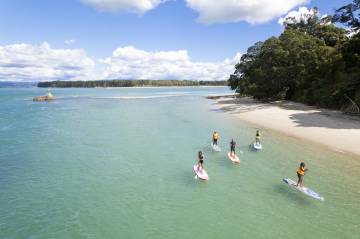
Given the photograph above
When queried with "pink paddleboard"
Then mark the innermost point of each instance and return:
(201, 174)
(234, 159)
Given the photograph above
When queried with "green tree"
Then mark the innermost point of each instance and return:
(312, 61)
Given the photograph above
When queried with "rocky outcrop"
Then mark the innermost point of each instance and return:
(48, 97)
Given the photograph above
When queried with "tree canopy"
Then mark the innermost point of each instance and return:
(313, 61)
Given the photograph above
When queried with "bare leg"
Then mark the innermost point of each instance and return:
(298, 182)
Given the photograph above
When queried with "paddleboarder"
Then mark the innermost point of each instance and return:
(200, 161)
(301, 173)
(257, 137)
(215, 138)
(232, 148)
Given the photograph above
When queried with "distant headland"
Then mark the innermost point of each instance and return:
(128, 83)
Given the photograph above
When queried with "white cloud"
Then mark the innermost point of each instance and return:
(70, 41)
(302, 14)
(252, 11)
(134, 6)
(131, 63)
(25, 62)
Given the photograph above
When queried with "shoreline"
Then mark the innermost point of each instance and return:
(333, 129)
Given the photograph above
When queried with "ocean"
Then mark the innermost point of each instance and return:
(118, 163)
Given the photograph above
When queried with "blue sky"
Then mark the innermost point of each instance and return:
(94, 29)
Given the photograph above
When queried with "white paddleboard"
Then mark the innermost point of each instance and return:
(305, 190)
(234, 159)
(257, 146)
(202, 174)
(215, 147)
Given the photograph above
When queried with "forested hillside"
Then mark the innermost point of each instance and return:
(315, 61)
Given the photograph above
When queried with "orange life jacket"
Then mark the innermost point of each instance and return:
(301, 171)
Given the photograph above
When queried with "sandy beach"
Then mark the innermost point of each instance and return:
(336, 130)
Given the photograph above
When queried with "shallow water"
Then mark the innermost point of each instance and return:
(117, 163)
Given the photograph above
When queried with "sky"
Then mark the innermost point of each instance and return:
(44, 40)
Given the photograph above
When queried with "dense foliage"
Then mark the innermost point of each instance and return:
(128, 83)
(313, 61)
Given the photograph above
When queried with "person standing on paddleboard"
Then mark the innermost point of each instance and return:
(215, 138)
(257, 137)
(200, 161)
(301, 173)
(232, 148)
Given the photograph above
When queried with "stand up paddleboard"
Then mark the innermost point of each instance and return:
(202, 174)
(291, 183)
(215, 147)
(257, 146)
(234, 159)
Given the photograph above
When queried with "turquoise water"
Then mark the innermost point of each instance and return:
(117, 163)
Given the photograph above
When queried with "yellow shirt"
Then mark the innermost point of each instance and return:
(215, 136)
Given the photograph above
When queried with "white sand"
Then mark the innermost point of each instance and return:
(333, 129)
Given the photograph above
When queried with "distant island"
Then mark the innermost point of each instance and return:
(128, 83)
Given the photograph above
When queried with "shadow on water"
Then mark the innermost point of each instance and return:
(291, 194)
